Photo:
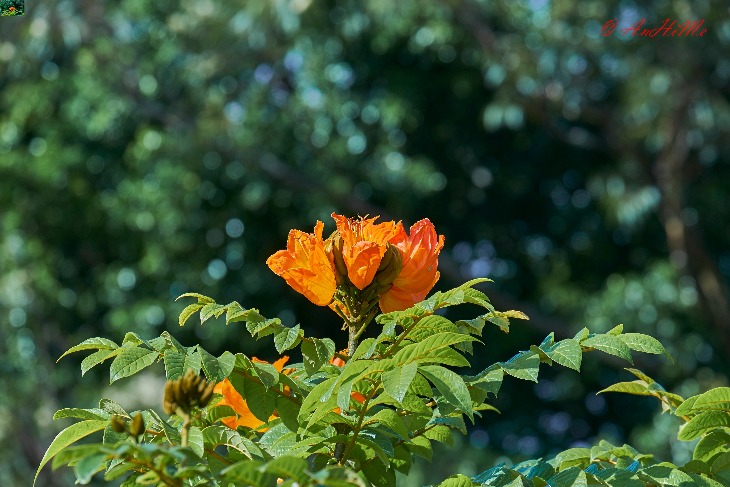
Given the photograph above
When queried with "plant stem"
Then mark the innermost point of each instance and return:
(352, 340)
(185, 426)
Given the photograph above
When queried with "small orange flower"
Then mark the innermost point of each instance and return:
(232, 398)
(364, 244)
(419, 274)
(305, 266)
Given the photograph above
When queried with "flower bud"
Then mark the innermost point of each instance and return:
(390, 266)
(137, 426)
(119, 424)
(333, 248)
(190, 391)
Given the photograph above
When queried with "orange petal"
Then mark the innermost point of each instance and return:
(364, 244)
(419, 253)
(279, 364)
(358, 397)
(305, 266)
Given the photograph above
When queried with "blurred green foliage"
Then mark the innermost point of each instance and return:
(148, 149)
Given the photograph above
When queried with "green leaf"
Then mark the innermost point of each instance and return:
(222, 435)
(392, 420)
(458, 480)
(665, 474)
(644, 343)
(421, 446)
(87, 467)
(112, 407)
(287, 338)
(721, 467)
(717, 399)
(317, 352)
(211, 366)
(573, 457)
(260, 401)
(97, 414)
(451, 386)
(130, 361)
(288, 411)
(210, 310)
(489, 380)
(609, 344)
(314, 398)
(171, 433)
(189, 311)
(710, 445)
(397, 381)
(227, 362)
(68, 436)
(379, 476)
(566, 353)
(201, 299)
(177, 363)
(440, 433)
(91, 344)
(524, 365)
(98, 357)
(702, 423)
(571, 477)
(72, 454)
(131, 338)
(498, 319)
(288, 468)
(248, 473)
(421, 351)
(637, 388)
(174, 361)
(216, 413)
(195, 441)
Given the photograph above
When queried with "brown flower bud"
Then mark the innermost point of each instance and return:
(119, 424)
(390, 266)
(333, 247)
(137, 427)
(207, 394)
(169, 403)
(189, 391)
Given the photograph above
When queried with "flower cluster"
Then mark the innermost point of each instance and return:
(363, 259)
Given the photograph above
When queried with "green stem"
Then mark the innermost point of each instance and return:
(185, 426)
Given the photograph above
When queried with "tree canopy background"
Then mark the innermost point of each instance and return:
(153, 148)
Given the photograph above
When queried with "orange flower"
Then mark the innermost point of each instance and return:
(419, 253)
(232, 398)
(356, 252)
(305, 266)
(364, 244)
